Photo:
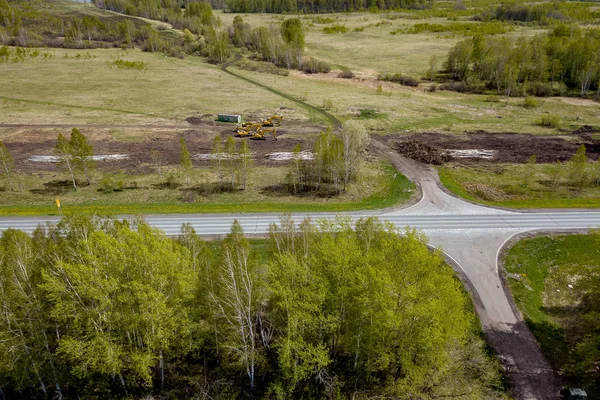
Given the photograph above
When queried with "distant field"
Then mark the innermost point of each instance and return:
(88, 89)
(415, 110)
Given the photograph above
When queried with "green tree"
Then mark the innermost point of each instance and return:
(119, 296)
(217, 157)
(8, 165)
(218, 50)
(293, 35)
(233, 160)
(62, 150)
(185, 160)
(82, 153)
(25, 346)
(578, 168)
(245, 162)
(237, 300)
(355, 140)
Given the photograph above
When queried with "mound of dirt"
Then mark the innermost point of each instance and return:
(586, 129)
(194, 120)
(421, 152)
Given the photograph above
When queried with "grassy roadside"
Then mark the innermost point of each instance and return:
(549, 279)
(397, 189)
(516, 194)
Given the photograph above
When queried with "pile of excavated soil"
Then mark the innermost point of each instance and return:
(420, 151)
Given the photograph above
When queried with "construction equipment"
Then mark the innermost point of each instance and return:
(247, 129)
(260, 133)
(273, 120)
(254, 130)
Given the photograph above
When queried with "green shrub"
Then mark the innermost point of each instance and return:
(401, 79)
(549, 121)
(369, 113)
(530, 102)
(492, 99)
(122, 64)
(335, 29)
(111, 184)
(346, 74)
(313, 66)
(264, 67)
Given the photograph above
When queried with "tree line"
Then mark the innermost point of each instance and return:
(568, 58)
(322, 6)
(203, 33)
(99, 308)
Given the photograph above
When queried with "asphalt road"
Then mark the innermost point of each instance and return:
(209, 225)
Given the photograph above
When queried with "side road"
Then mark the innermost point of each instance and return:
(474, 252)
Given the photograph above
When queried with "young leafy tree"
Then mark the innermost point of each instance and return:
(293, 35)
(355, 140)
(233, 159)
(217, 157)
(62, 150)
(578, 168)
(236, 300)
(157, 161)
(82, 153)
(185, 160)
(295, 174)
(26, 339)
(245, 162)
(8, 165)
(119, 297)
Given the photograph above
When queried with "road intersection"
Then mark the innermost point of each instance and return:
(471, 237)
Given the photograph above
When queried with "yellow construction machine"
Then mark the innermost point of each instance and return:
(260, 133)
(247, 129)
(273, 120)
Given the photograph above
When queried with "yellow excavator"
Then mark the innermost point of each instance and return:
(273, 120)
(247, 129)
(260, 133)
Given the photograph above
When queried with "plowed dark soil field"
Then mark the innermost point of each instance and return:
(509, 147)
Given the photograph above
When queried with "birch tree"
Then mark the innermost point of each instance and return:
(355, 140)
(245, 162)
(8, 165)
(26, 339)
(236, 301)
(62, 150)
(217, 157)
(185, 160)
(82, 153)
(232, 161)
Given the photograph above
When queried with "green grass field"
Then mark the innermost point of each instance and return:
(83, 89)
(544, 275)
(378, 186)
(518, 186)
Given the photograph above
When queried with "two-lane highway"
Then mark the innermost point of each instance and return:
(210, 225)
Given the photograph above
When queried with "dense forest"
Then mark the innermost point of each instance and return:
(97, 308)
